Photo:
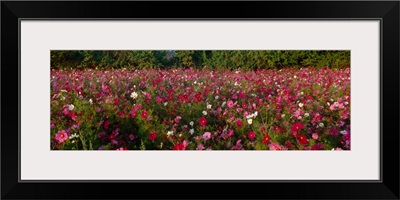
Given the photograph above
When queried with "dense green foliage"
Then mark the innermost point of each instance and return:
(233, 59)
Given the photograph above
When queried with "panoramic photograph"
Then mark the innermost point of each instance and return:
(200, 100)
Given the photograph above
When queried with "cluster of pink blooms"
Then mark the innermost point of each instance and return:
(190, 109)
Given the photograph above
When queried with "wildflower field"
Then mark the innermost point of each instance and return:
(200, 109)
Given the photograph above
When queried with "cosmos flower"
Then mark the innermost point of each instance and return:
(302, 139)
(152, 136)
(266, 139)
(61, 136)
(134, 95)
(206, 136)
(203, 121)
(251, 135)
(297, 127)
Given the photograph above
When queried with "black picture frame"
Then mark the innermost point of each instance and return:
(386, 11)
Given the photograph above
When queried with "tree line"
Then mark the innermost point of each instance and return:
(231, 59)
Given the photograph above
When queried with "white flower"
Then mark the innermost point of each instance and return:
(64, 91)
(191, 131)
(301, 105)
(216, 97)
(209, 106)
(180, 135)
(255, 114)
(306, 114)
(204, 113)
(236, 84)
(294, 76)
(344, 132)
(169, 133)
(346, 103)
(166, 103)
(90, 101)
(134, 95)
(283, 115)
(328, 103)
(191, 123)
(72, 136)
(250, 121)
(301, 93)
(223, 104)
(71, 107)
(195, 82)
(321, 124)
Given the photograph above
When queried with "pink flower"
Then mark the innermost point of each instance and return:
(61, 136)
(200, 146)
(230, 104)
(297, 113)
(185, 143)
(238, 146)
(315, 136)
(131, 137)
(177, 119)
(275, 146)
(206, 136)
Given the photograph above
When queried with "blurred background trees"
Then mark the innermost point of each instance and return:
(231, 59)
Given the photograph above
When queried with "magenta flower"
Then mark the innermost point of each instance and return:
(131, 137)
(61, 136)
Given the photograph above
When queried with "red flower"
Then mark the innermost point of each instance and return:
(121, 113)
(152, 136)
(203, 121)
(297, 127)
(73, 115)
(302, 139)
(239, 123)
(116, 101)
(265, 139)
(106, 124)
(251, 135)
(179, 147)
(144, 114)
(288, 144)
